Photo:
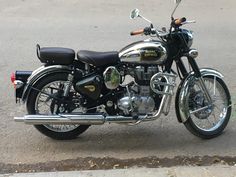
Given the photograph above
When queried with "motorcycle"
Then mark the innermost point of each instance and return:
(68, 94)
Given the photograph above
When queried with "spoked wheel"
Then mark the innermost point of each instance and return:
(207, 120)
(49, 101)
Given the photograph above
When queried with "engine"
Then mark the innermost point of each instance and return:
(137, 100)
(143, 95)
(143, 74)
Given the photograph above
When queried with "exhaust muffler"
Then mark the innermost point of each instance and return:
(87, 119)
(62, 119)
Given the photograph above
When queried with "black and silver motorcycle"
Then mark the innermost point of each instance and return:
(68, 94)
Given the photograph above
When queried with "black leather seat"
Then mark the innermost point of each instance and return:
(98, 58)
(56, 55)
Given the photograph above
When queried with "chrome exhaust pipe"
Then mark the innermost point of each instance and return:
(62, 119)
(87, 119)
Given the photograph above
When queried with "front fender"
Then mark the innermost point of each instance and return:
(40, 73)
(183, 89)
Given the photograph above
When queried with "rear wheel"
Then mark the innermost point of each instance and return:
(43, 102)
(207, 120)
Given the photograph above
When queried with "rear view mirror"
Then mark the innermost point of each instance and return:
(177, 1)
(134, 14)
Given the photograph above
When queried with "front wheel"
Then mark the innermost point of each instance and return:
(43, 102)
(206, 120)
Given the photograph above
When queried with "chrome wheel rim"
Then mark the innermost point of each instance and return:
(44, 102)
(208, 117)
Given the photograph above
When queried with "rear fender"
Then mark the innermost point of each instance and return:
(182, 91)
(19, 79)
(40, 73)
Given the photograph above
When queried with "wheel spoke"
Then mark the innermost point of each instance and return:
(204, 117)
(212, 123)
(214, 115)
(43, 105)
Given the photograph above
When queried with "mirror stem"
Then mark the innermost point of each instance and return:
(145, 19)
(172, 18)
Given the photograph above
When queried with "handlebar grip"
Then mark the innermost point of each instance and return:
(141, 31)
(179, 21)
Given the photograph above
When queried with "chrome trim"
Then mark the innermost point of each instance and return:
(167, 105)
(177, 4)
(133, 53)
(206, 92)
(74, 119)
(184, 114)
(35, 72)
(87, 67)
(190, 38)
(160, 110)
(18, 83)
(68, 84)
(169, 83)
(188, 22)
(211, 72)
(111, 77)
(140, 46)
(39, 73)
(200, 109)
(90, 119)
(61, 119)
(42, 69)
(193, 53)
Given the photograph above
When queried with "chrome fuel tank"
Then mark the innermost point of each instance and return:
(145, 52)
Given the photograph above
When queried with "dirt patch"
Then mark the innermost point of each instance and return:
(91, 163)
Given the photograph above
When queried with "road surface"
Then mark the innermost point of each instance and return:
(105, 25)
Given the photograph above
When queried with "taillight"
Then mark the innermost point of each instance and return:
(17, 83)
(13, 77)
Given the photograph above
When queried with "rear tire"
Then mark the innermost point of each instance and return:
(32, 109)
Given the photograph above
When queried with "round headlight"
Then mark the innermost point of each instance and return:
(190, 38)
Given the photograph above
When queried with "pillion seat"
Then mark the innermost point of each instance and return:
(55, 55)
(98, 58)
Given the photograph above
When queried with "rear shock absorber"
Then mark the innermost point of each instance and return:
(68, 84)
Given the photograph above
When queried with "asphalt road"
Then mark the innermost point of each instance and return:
(105, 25)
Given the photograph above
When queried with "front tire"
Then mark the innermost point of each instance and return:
(58, 132)
(210, 122)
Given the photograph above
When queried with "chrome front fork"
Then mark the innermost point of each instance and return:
(198, 74)
(205, 90)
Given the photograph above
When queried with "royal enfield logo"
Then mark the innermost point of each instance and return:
(91, 88)
(150, 53)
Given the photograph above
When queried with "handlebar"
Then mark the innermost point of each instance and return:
(179, 21)
(176, 23)
(136, 32)
(146, 31)
(149, 31)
